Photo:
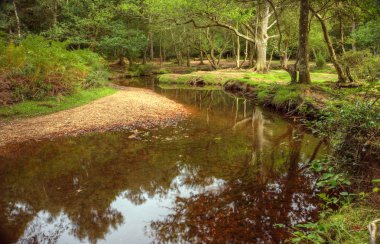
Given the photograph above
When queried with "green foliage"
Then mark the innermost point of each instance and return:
(368, 35)
(362, 64)
(332, 182)
(376, 183)
(37, 68)
(347, 225)
(123, 42)
(162, 71)
(320, 60)
(286, 95)
(140, 70)
(316, 40)
(352, 129)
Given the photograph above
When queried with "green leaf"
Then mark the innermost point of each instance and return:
(376, 181)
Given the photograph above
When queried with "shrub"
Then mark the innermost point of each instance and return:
(37, 68)
(361, 64)
(320, 61)
(140, 70)
(353, 130)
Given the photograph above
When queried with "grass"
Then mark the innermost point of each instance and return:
(346, 225)
(53, 104)
(182, 86)
(220, 77)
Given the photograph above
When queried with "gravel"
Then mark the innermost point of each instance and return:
(128, 108)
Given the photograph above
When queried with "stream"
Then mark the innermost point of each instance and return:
(232, 173)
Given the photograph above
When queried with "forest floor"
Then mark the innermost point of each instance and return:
(127, 108)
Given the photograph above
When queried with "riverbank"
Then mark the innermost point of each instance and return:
(345, 115)
(127, 108)
(273, 89)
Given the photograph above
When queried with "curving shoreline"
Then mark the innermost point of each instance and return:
(127, 108)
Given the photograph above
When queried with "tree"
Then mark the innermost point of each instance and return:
(123, 43)
(303, 48)
(341, 75)
(368, 36)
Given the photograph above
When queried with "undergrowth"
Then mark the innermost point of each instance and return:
(35, 68)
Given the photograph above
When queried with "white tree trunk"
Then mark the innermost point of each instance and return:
(261, 39)
(238, 52)
(17, 20)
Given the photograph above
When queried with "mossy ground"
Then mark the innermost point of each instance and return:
(274, 89)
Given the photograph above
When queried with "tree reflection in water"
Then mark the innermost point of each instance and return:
(70, 189)
(249, 208)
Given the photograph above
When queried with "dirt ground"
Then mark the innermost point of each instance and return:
(128, 108)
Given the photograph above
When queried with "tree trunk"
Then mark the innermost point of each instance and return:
(303, 49)
(151, 46)
(348, 72)
(251, 55)
(284, 56)
(341, 76)
(261, 39)
(261, 56)
(160, 51)
(270, 59)
(130, 61)
(353, 29)
(55, 12)
(246, 50)
(201, 57)
(341, 32)
(18, 26)
(238, 52)
(179, 58)
(144, 56)
(122, 61)
(188, 64)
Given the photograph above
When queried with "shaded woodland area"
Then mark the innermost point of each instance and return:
(316, 63)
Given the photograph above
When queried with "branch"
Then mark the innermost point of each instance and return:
(217, 24)
(269, 37)
(271, 25)
(277, 22)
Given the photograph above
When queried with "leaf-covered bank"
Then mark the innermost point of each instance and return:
(35, 68)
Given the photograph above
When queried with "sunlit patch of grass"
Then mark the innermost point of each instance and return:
(183, 86)
(221, 76)
(55, 104)
(286, 94)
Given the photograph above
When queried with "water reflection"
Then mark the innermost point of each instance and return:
(231, 173)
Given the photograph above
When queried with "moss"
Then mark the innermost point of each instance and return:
(262, 96)
(286, 95)
(221, 76)
(163, 71)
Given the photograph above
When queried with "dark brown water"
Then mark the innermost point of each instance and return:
(231, 173)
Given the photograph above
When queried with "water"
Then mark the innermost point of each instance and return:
(230, 173)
